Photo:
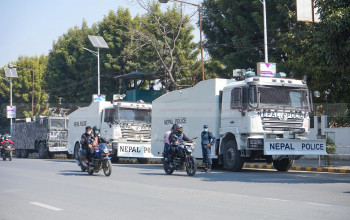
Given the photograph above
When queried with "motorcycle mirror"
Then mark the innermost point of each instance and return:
(194, 138)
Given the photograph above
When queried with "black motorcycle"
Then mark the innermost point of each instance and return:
(180, 156)
(101, 160)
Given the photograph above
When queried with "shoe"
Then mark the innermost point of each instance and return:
(209, 169)
(205, 168)
(166, 159)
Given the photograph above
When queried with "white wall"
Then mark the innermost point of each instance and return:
(341, 135)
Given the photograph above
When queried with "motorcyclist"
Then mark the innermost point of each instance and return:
(86, 142)
(176, 137)
(97, 139)
(4, 143)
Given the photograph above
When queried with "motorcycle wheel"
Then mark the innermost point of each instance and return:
(191, 166)
(10, 156)
(167, 170)
(90, 170)
(107, 168)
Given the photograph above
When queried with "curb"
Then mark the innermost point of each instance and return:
(298, 168)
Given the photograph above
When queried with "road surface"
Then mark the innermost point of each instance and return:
(57, 189)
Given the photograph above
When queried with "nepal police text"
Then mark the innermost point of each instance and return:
(304, 146)
(131, 149)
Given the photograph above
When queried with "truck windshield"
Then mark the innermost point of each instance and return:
(280, 97)
(124, 114)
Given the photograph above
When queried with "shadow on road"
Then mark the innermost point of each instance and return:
(247, 175)
(73, 173)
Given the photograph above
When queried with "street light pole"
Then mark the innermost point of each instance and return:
(200, 28)
(265, 31)
(98, 71)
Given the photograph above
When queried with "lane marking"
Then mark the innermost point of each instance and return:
(46, 206)
(319, 204)
(282, 200)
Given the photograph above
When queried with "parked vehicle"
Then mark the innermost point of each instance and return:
(181, 158)
(101, 160)
(257, 119)
(46, 135)
(8, 153)
(126, 125)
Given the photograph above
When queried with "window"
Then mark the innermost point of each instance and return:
(236, 98)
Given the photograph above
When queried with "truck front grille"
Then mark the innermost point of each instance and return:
(276, 124)
(130, 133)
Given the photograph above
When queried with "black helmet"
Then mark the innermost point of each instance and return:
(178, 129)
(96, 130)
(87, 127)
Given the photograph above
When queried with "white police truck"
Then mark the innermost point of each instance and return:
(126, 125)
(257, 119)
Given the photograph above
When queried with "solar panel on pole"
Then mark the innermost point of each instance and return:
(11, 73)
(98, 41)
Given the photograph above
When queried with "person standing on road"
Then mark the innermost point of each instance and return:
(207, 141)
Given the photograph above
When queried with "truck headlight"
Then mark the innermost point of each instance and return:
(256, 143)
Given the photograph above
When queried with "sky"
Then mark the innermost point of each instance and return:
(29, 27)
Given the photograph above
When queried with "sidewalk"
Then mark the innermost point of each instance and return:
(338, 166)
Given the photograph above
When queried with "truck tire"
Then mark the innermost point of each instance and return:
(51, 155)
(76, 151)
(18, 153)
(43, 152)
(70, 156)
(232, 157)
(143, 160)
(283, 165)
(24, 153)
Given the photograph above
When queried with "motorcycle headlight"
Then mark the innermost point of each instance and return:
(106, 150)
(189, 148)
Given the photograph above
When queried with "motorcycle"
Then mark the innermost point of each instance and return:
(180, 156)
(8, 152)
(101, 160)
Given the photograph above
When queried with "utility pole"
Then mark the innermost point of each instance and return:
(265, 31)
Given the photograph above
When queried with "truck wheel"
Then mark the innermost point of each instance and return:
(43, 152)
(283, 165)
(70, 156)
(232, 157)
(51, 155)
(24, 153)
(76, 151)
(19, 153)
(143, 160)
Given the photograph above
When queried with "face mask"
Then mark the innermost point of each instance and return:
(205, 129)
(97, 132)
(89, 132)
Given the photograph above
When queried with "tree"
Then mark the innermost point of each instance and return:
(234, 31)
(321, 51)
(72, 71)
(22, 88)
(165, 43)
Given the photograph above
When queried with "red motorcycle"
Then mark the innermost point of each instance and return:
(7, 151)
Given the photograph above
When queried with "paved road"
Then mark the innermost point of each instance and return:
(56, 189)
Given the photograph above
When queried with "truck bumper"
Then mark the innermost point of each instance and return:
(294, 147)
(132, 149)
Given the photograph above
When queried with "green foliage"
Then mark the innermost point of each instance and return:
(234, 31)
(22, 88)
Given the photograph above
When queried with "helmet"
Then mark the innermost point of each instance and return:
(96, 130)
(178, 129)
(87, 127)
